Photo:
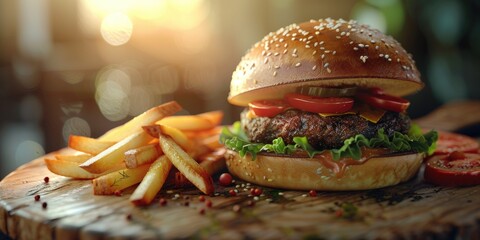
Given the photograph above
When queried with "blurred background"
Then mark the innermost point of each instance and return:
(83, 67)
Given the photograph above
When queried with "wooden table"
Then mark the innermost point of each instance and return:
(411, 210)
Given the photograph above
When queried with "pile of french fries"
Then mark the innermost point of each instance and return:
(152, 150)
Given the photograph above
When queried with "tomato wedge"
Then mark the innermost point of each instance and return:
(378, 99)
(449, 142)
(268, 108)
(319, 104)
(447, 170)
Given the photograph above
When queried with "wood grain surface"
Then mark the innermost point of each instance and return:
(412, 210)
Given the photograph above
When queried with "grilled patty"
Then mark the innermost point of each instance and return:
(321, 132)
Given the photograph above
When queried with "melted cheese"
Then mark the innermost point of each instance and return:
(365, 111)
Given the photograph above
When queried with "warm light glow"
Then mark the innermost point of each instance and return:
(150, 9)
(116, 29)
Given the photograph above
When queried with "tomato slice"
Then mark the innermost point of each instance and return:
(319, 104)
(388, 102)
(446, 171)
(268, 108)
(449, 142)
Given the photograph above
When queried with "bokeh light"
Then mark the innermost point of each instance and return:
(140, 99)
(112, 88)
(75, 126)
(163, 80)
(369, 15)
(31, 109)
(28, 150)
(116, 29)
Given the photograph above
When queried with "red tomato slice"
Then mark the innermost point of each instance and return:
(449, 142)
(442, 170)
(319, 104)
(384, 101)
(268, 108)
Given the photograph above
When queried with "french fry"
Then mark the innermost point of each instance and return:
(116, 181)
(88, 145)
(213, 163)
(178, 136)
(215, 117)
(71, 169)
(186, 165)
(142, 155)
(115, 154)
(148, 117)
(78, 158)
(187, 123)
(152, 182)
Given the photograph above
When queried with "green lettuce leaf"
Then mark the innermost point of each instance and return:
(234, 138)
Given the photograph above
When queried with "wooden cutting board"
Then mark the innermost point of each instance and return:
(414, 209)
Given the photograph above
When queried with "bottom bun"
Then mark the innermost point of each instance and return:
(310, 174)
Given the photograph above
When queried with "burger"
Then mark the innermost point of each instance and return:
(324, 110)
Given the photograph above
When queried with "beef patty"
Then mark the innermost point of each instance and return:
(321, 132)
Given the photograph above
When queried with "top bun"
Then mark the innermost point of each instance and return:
(328, 53)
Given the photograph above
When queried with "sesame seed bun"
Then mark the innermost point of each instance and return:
(310, 174)
(323, 53)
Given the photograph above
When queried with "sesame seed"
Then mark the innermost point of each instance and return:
(338, 37)
(376, 47)
(355, 48)
(285, 51)
(277, 45)
(398, 59)
(327, 51)
(276, 54)
(334, 52)
(310, 37)
(315, 44)
(281, 40)
(326, 65)
(389, 59)
(298, 64)
(293, 39)
(351, 42)
(361, 45)
(293, 35)
(328, 70)
(317, 32)
(364, 58)
(269, 54)
(386, 56)
(295, 51)
(308, 42)
(276, 67)
(294, 55)
(372, 41)
(323, 56)
(322, 42)
(314, 67)
(285, 45)
(265, 61)
(263, 53)
(314, 52)
(275, 73)
(307, 46)
(380, 55)
(348, 34)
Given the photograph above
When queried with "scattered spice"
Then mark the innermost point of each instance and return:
(46, 179)
(44, 205)
(129, 217)
(236, 208)
(208, 203)
(201, 198)
(163, 201)
(232, 193)
(312, 193)
(256, 191)
(118, 193)
(37, 198)
(186, 204)
(202, 211)
(225, 179)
